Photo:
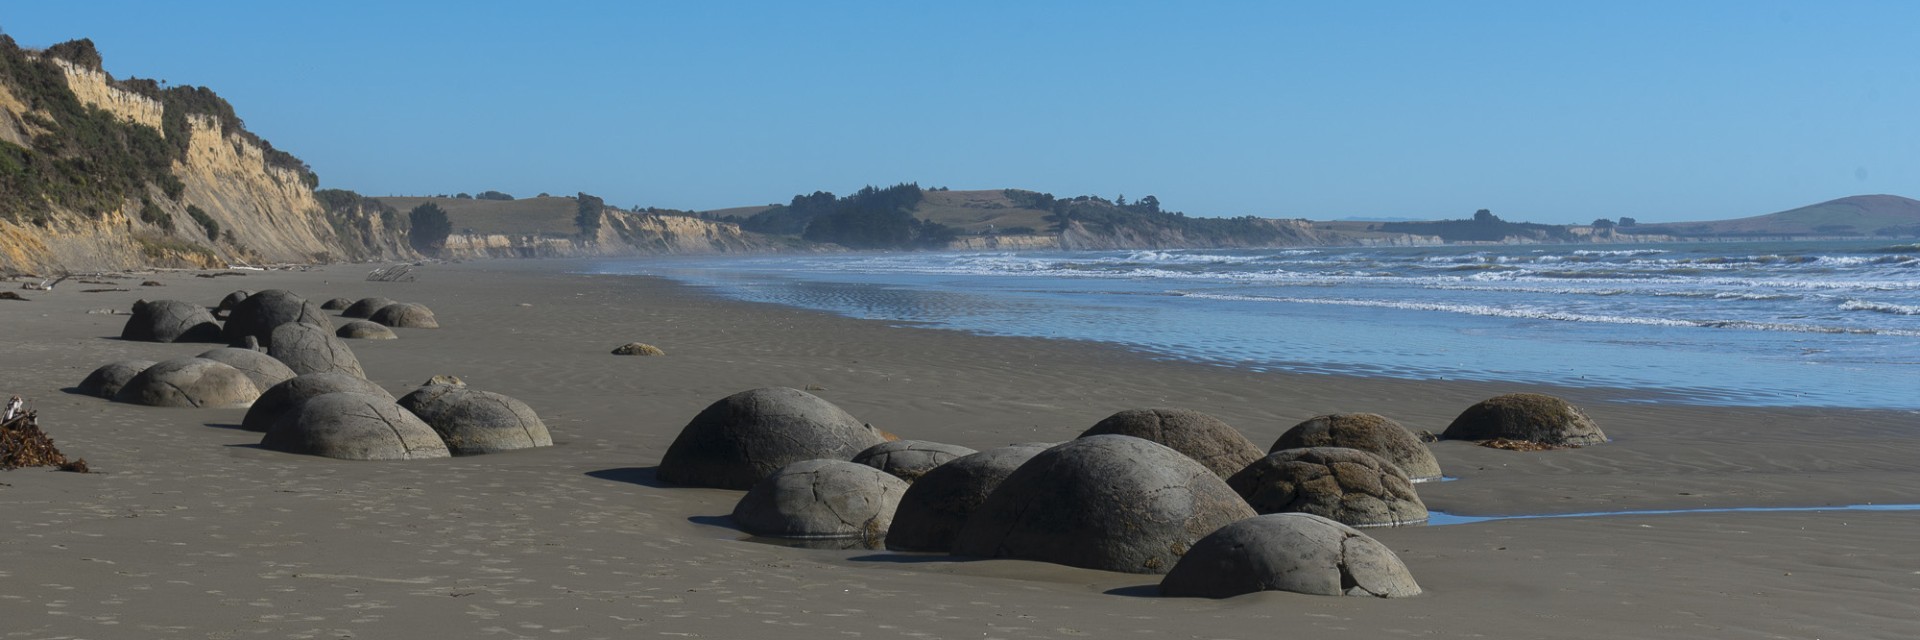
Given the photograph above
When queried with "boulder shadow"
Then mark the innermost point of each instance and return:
(643, 476)
(912, 557)
(725, 522)
(1137, 591)
(235, 426)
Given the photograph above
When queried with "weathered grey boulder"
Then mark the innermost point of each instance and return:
(1295, 552)
(263, 369)
(336, 304)
(106, 381)
(353, 426)
(258, 314)
(1109, 502)
(170, 321)
(1369, 432)
(1206, 439)
(364, 330)
(365, 307)
(446, 379)
(280, 398)
(909, 459)
(638, 349)
(189, 382)
(939, 503)
(1527, 417)
(306, 348)
(1348, 485)
(472, 421)
(406, 315)
(228, 303)
(747, 436)
(821, 499)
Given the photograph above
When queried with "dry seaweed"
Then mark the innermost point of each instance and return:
(1511, 444)
(23, 444)
(9, 295)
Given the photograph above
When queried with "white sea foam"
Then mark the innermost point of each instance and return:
(1623, 252)
(1881, 307)
(1537, 313)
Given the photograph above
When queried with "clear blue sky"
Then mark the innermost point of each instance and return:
(1542, 111)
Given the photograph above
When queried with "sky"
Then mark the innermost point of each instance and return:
(1539, 111)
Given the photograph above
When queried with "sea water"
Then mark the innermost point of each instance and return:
(1773, 324)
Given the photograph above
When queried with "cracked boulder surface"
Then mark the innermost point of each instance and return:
(1528, 417)
(1109, 502)
(106, 381)
(283, 397)
(170, 321)
(189, 382)
(910, 459)
(939, 503)
(735, 442)
(1346, 485)
(1208, 440)
(1369, 432)
(364, 307)
(364, 330)
(336, 304)
(1296, 552)
(257, 315)
(228, 303)
(472, 422)
(406, 315)
(353, 426)
(263, 369)
(821, 499)
(306, 348)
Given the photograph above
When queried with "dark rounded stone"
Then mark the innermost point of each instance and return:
(170, 321)
(189, 382)
(638, 349)
(228, 303)
(1109, 502)
(821, 499)
(336, 304)
(257, 315)
(406, 315)
(106, 381)
(1528, 417)
(1369, 432)
(365, 307)
(1348, 485)
(1209, 441)
(939, 503)
(1294, 552)
(744, 437)
(353, 426)
(909, 459)
(306, 348)
(364, 330)
(280, 398)
(263, 369)
(473, 422)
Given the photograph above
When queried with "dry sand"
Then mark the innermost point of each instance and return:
(191, 531)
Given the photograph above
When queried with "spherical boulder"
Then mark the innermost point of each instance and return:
(744, 437)
(1109, 502)
(263, 369)
(106, 381)
(1206, 439)
(638, 349)
(939, 503)
(406, 315)
(280, 398)
(473, 422)
(228, 303)
(189, 382)
(365, 307)
(1295, 552)
(1527, 417)
(1369, 432)
(364, 330)
(909, 459)
(1347, 485)
(353, 426)
(258, 314)
(336, 304)
(306, 348)
(170, 321)
(821, 499)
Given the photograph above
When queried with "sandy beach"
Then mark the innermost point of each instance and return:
(188, 530)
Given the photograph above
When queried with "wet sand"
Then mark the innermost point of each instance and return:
(191, 531)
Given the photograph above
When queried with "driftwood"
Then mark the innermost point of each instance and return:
(395, 273)
(23, 444)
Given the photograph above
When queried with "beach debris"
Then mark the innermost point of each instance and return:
(9, 295)
(938, 504)
(1528, 417)
(189, 382)
(406, 315)
(910, 459)
(364, 330)
(1296, 552)
(1107, 502)
(108, 283)
(102, 290)
(281, 398)
(1511, 444)
(305, 348)
(445, 379)
(106, 381)
(264, 370)
(45, 284)
(336, 304)
(217, 274)
(1349, 486)
(353, 426)
(394, 273)
(152, 283)
(473, 422)
(170, 321)
(1208, 440)
(365, 307)
(258, 314)
(821, 499)
(24, 444)
(1369, 432)
(744, 437)
(638, 349)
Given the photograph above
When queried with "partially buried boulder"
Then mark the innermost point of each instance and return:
(228, 303)
(365, 307)
(364, 330)
(1206, 439)
(280, 398)
(1348, 485)
(939, 503)
(1527, 417)
(909, 459)
(821, 499)
(638, 349)
(336, 304)
(257, 315)
(170, 321)
(1369, 432)
(473, 422)
(106, 381)
(406, 315)
(263, 369)
(306, 348)
(1294, 552)
(1109, 502)
(189, 382)
(353, 426)
(747, 436)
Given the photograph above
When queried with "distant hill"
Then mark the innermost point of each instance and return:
(548, 226)
(1872, 215)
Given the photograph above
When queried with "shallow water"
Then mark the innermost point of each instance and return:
(1438, 518)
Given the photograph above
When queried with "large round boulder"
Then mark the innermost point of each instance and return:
(106, 381)
(189, 382)
(747, 436)
(365, 307)
(821, 499)
(336, 304)
(1527, 417)
(364, 330)
(1295, 552)
(1109, 502)
(170, 321)
(909, 459)
(257, 315)
(280, 398)
(406, 315)
(263, 369)
(353, 426)
(1347, 485)
(306, 348)
(1209, 441)
(228, 303)
(1369, 432)
(471, 421)
(939, 503)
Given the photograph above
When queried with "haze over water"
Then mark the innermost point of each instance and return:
(1807, 323)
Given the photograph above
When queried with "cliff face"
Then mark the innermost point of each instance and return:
(621, 234)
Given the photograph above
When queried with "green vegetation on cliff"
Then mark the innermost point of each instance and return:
(872, 218)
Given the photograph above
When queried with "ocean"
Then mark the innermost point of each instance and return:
(1756, 324)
